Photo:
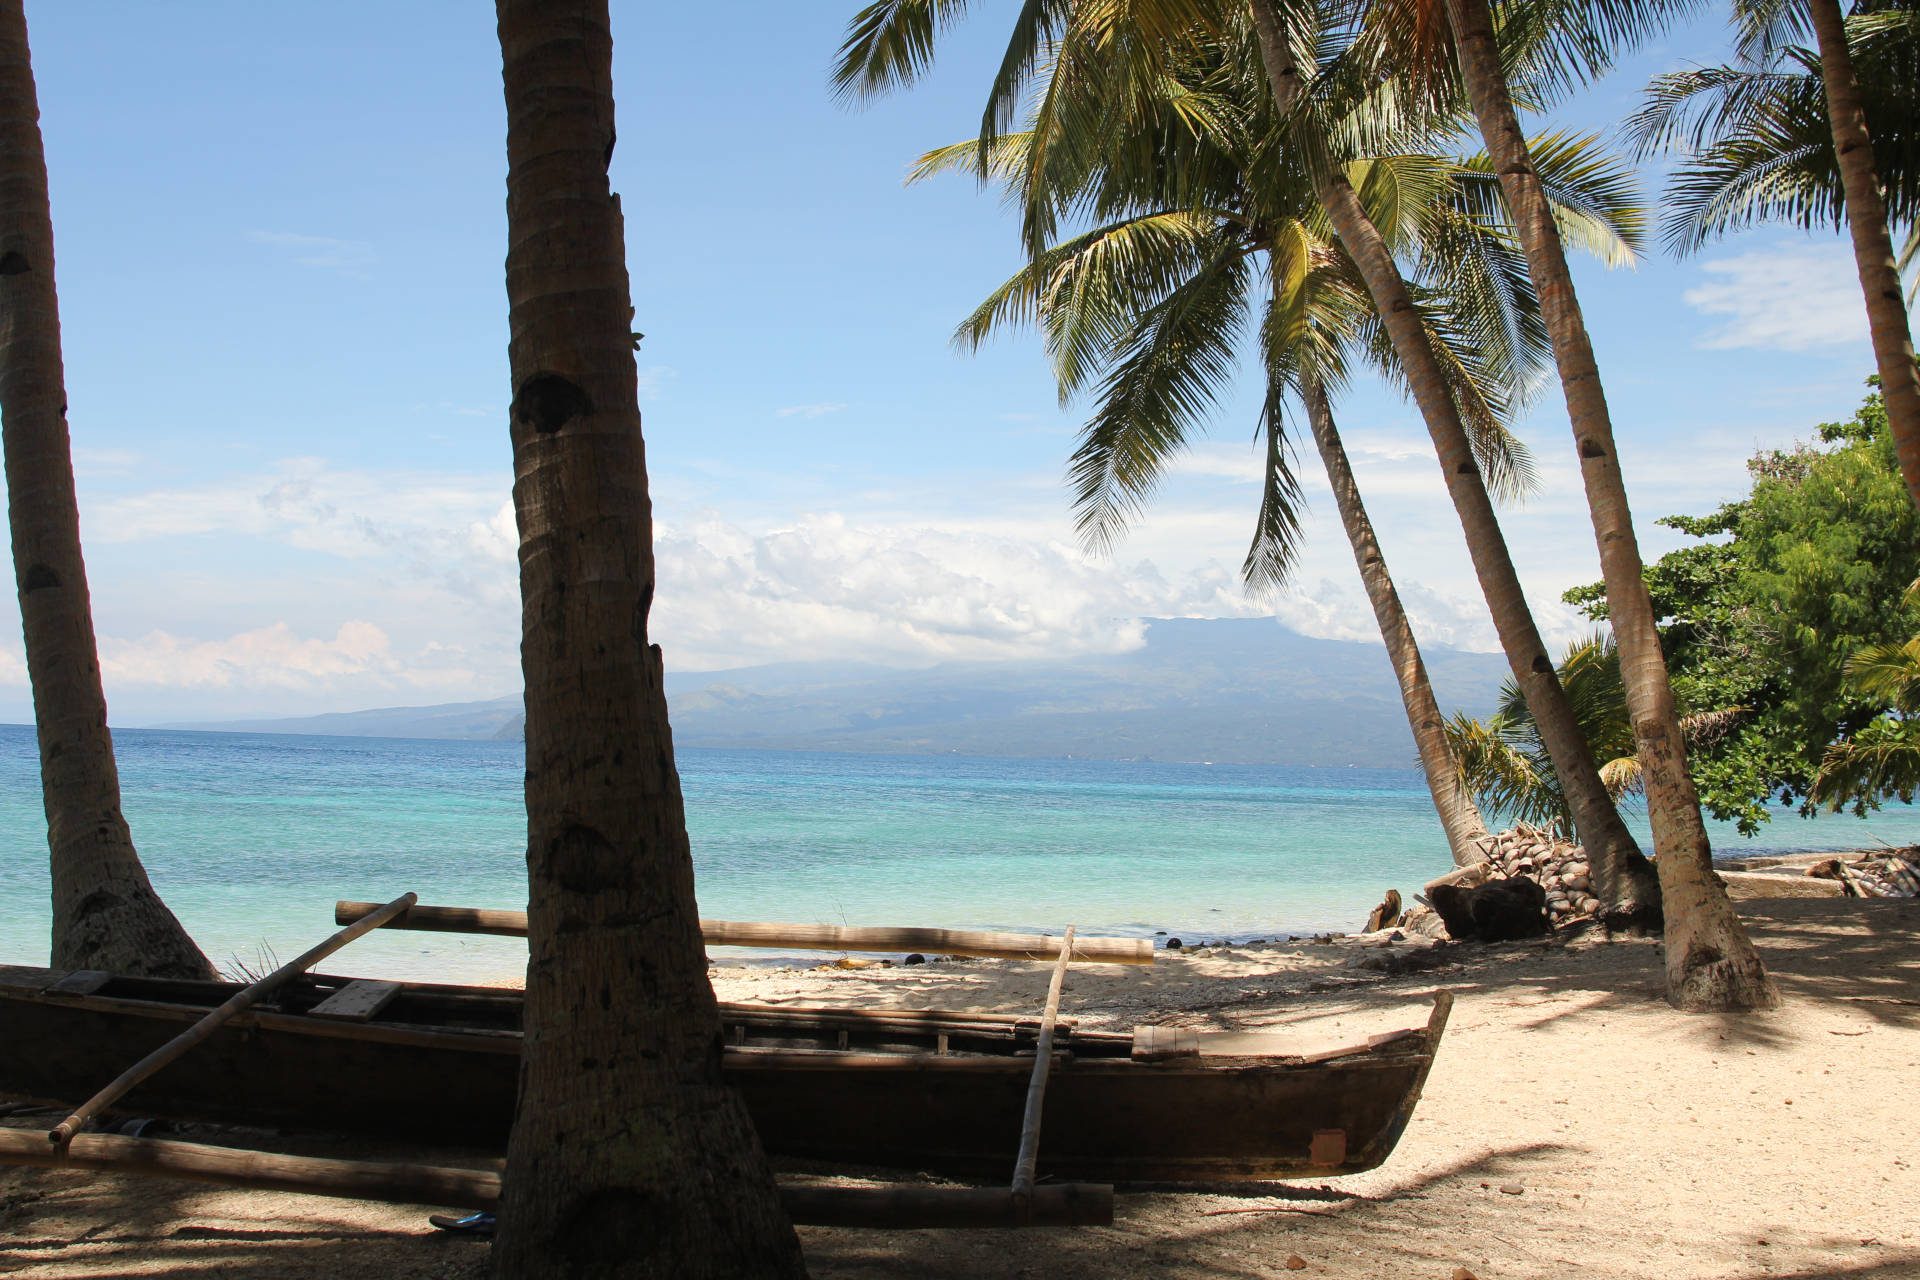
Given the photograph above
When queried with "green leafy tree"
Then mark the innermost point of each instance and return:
(1761, 617)
(1881, 761)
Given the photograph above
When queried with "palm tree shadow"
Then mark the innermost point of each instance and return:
(1184, 1231)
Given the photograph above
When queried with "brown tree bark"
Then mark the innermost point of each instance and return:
(1459, 816)
(629, 1155)
(1711, 964)
(1624, 880)
(105, 912)
(1887, 321)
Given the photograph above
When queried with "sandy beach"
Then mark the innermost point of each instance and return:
(1573, 1125)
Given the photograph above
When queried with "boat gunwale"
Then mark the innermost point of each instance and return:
(1387, 1049)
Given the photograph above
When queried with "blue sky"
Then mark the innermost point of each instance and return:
(279, 238)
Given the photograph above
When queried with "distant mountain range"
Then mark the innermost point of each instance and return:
(1228, 690)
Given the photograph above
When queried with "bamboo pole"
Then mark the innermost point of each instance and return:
(62, 1134)
(806, 937)
(895, 1207)
(1023, 1165)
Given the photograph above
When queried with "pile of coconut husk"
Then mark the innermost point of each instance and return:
(1557, 865)
(1892, 874)
(1532, 881)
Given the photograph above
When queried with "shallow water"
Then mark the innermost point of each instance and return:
(251, 838)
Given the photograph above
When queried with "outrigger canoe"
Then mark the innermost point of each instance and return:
(926, 1090)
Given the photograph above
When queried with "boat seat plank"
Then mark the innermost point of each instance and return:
(357, 1001)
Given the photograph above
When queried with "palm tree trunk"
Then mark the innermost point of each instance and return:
(629, 1155)
(1872, 240)
(105, 912)
(1711, 964)
(1459, 816)
(1623, 879)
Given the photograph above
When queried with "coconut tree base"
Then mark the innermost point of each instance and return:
(1702, 980)
(130, 933)
(1633, 904)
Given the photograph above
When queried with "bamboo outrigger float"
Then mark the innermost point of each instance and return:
(946, 1092)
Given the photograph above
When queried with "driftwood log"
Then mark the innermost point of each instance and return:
(1387, 914)
(892, 1207)
(804, 937)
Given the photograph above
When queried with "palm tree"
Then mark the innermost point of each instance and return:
(629, 1154)
(1760, 141)
(105, 912)
(1102, 54)
(1711, 964)
(1873, 257)
(1154, 297)
(1623, 877)
(1460, 818)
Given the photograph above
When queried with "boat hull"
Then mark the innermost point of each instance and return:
(1108, 1118)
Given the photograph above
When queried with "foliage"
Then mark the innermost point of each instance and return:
(1754, 141)
(1883, 759)
(1212, 220)
(1504, 763)
(1759, 622)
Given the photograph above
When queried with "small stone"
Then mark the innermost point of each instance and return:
(1512, 1189)
(1297, 1263)
(915, 958)
(1174, 944)
(1461, 1273)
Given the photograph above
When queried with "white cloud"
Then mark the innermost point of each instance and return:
(825, 587)
(325, 253)
(271, 657)
(820, 410)
(651, 380)
(450, 529)
(1240, 463)
(91, 463)
(1786, 299)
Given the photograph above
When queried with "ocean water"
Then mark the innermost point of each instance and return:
(251, 838)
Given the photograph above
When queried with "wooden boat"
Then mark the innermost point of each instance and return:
(937, 1091)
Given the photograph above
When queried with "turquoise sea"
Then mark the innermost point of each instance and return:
(251, 838)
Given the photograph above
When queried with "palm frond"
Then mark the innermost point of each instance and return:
(889, 44)
(1177, 359)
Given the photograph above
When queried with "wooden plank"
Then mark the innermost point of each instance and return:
(357, 1001)
(1159, 1044)
(802, 937)
(891, 1207)
(1328, 1150)
(1025, 1161)
(62, 1134)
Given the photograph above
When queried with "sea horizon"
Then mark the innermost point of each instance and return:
(252, 837)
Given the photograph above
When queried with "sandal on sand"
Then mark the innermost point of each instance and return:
(474, 1224)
